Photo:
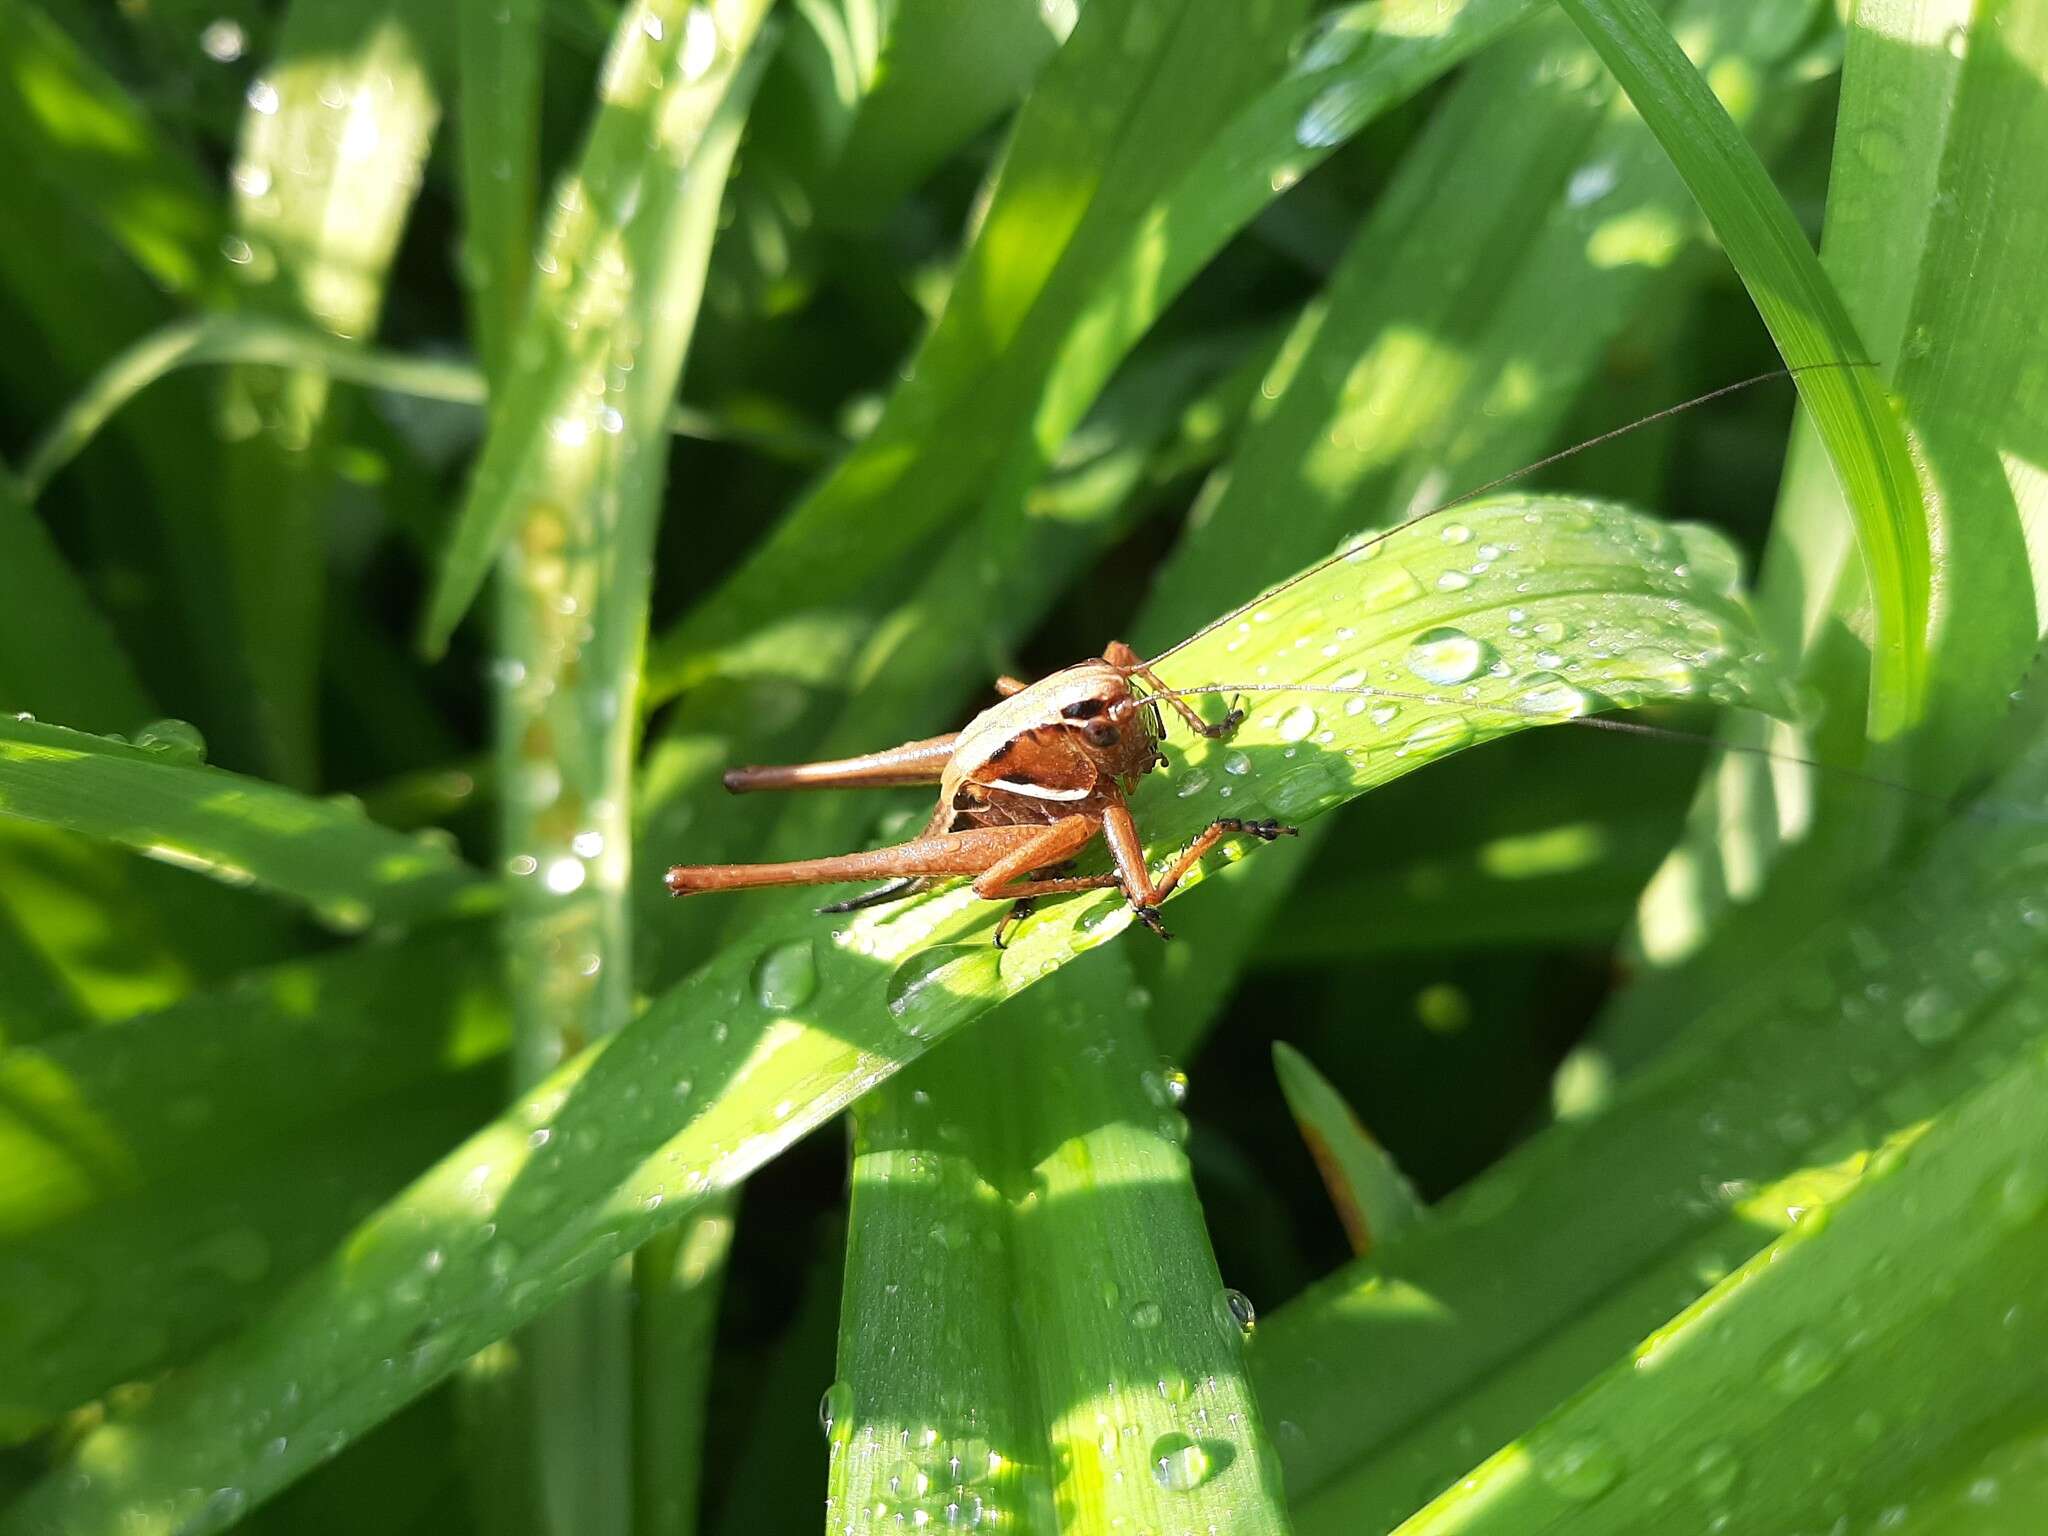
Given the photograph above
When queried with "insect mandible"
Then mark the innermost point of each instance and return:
(1026, 786)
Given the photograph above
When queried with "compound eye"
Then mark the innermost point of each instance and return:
(1101, 733)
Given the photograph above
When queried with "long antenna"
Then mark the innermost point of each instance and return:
(1351, 550)
(1625, 727)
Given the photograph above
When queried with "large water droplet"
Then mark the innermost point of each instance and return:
(786, 976)
(933, 987)
(1296, 724)
(1179, 1463)
(1146, 1314)
(1446, 655)
(1803, 1364)
(1715, 1472)
(1389, 585)
(1337, 112)
(1238, 1309)
(1583, 1469)
(835, 1414)
(1545, 693)
(175, 741)
(1446, 733)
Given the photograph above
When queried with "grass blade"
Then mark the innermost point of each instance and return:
(1871, 1385)
(1005, 1350)
(1806, 318)
(331, 152)
(582, 507)
(238, 830)
(349, 1071)
(1373, 1198)
(58, 654)
(499, 51)
(776, 1035)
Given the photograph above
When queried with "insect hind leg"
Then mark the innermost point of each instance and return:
(881, 895)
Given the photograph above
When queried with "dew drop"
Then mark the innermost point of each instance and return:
(1146, 1314)
(1715, 1472)
(1238, 1309)
(1453, 581)
(1803, 1364)
(932, 988)
(1931, 1016)
(1179, 1464)
(1297, 723)
(1583, 1469)
(1446, 655)
(786, 976)
(835, 1414)
(1336, 112)
(1237, 763)
(175, 741)
(1545, 693)
(1389, 586)
(2023, 1195)
(1193, 783)
(1446, 733)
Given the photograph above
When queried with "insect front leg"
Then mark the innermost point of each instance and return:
(1128, 661)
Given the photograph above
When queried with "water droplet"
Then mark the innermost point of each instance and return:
(1180, 1464)
(1715, 1471)
(1803, 1364)
(1385, 714)
(1446, 655)
(1337, 111)
(1238, 1309)
(1582, 1470)
(175, 741)
(1931, 1016)
(936, 986)
(1297, 723)
(2023, 1195)
(565, 875)
(1146, 1314)
(1237, 763)
(262, 98)
(223, 41)
(1389, 586)
(1545, 693)
(1446, 733)
(1456, 533)
(835, 1414)
(786, 976)
(1192, 783)
(1453, 581)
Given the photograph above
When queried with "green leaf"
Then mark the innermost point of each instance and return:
(1810, 325)
(1897, 1008)
(551, 435)
(1373, 1198)
(499, 69)
(1939, 124)
(1004, 1351)
(238, 830)
(329, 160)
(58, 655)
(1796, 1391)
(232, 1138)
(775, 1035)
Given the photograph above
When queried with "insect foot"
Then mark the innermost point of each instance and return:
(1264, 831)
(1225, 728)
(1149, 916)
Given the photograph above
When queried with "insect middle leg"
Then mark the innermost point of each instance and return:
(1135, 875)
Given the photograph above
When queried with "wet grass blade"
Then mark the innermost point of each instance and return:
(1939, 123)
(153, 797)
(1743, 1123)
(550, 430)
(1110, 123)
(499, 67)
(58, 654)
(104, 154)
(348, 1072)
(1006, 1349)
(331, 153)
(1806, 317)
(582, 504)
(777, 1034)
(1876, 1386)
(1374, 1200)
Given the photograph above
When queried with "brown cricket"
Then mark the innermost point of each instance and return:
(1024, 788)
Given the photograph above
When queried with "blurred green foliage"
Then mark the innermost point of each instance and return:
(380, 1145)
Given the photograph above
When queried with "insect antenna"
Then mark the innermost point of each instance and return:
(1351, 550)
(1841, 771)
